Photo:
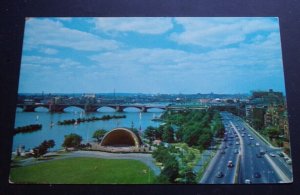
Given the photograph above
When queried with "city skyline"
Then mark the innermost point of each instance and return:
(151, 55)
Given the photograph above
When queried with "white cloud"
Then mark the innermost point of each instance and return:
(135, 24)
(48, 51)
(219, 32)
(42, 62)
(52, 33)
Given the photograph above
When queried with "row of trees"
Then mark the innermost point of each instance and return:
(196, 128)
(81, 120)
(28, 128)
(172, 172)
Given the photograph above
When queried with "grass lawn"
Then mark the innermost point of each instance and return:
(84, 171)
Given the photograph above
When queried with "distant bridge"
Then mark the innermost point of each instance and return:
(86, 107)
(122, 107)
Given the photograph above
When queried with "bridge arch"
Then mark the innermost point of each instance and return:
(106, 109)
(73, 109)
(155, 109)
(132, 109)
(41, 108)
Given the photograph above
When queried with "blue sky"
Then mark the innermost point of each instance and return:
(151, 55)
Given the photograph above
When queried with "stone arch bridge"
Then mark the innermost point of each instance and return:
(85, 107)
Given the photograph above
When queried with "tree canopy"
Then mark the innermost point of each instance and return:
(72, 140)
(99, 134)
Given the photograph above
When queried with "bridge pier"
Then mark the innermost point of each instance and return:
(56, 108)
(144, 109)
(28, 108)
(119, 109)
(90, 108)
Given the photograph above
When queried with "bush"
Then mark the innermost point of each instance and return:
(72, 140)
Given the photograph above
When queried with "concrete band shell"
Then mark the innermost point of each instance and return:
(120, 137)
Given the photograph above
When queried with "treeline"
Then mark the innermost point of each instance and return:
(28, 128)
(82, 120)
(172, 172)
(196, 128)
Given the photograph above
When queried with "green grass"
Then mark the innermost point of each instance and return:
(84, 171)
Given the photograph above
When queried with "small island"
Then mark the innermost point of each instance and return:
(82, 120)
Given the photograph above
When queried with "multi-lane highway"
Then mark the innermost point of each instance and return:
(253, 159)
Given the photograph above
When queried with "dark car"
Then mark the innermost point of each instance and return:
(219, 174)
(223, 152)
(257, 175)
(258, 155)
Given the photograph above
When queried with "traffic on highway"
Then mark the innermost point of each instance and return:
(245, 157)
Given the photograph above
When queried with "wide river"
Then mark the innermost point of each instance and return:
(86, 129)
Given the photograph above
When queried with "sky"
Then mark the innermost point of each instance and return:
(151, 55)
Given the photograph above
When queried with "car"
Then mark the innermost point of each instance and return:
(219, 174)
(230, 164)
(289, 162)
(247, 181)
(272, 154)
(242, 135)
(258, 155)
(257, 175)
(236, 151)
(286, 158)
(223, 152)
(251, 138)
(280, 154)
(249, 135)
(262, 152)
(237, 143)
(257, 144)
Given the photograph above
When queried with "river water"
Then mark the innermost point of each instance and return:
(86, 130)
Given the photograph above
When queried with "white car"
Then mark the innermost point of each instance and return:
(257, 144)
(272, 154)
(247, 181)
(251, 138)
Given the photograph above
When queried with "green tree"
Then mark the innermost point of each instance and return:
(43, 148)
(72, 140)
(171, 168)
(168, 134)
(273, 132)
(99, 134)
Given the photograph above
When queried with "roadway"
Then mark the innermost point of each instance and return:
(256, 165)
(227, 151)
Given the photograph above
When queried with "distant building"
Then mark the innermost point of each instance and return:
(266, 97)
(255, 116)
